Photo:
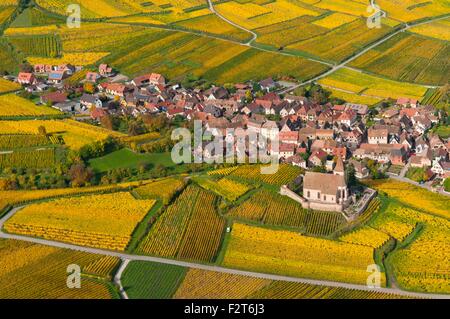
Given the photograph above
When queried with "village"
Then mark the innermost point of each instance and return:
(394, 140)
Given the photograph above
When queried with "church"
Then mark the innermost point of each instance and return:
(326, 191)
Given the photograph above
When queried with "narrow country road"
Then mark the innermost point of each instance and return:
(129, 257)
(370, 47)
(118, 278)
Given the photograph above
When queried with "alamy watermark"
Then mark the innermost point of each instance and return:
(374, 20)
(374, 279)
(74, 17)
(73, 277)
(229, 145)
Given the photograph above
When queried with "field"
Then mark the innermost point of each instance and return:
(42, 158)
(21, 196)
(41, 46)
(212, 24)
(164, 189)
(74, 134)
(353, 97)
(39, 272)
(253, 173)
(410, 58)
(409, 10)
(353, 81)
(289, 253)
(419, 263)
(291, 290)
(366, 236)
(145, 280)
(14, 141)
(438, 29)
(202, 284)
(227, 188)
(9, 59)
(190, 228)
(102, 221)
(270, 208)
(32, 17)
(8, 86)
(334, 20)
(126, 158)
(435, 97)
(423, 200)
(252, 16)
(342, 42)
(6, 12)
(12, 105)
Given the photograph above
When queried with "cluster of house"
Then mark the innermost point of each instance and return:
(310, 134)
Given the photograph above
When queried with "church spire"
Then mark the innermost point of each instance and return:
(339, 168)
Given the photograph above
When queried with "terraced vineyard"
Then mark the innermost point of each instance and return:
(190, 228)
(103, 221)
(12, 105)
(147, 280)
(410, 58)
(39, 272)
(270, 208)
(74, 134)
(252, 248)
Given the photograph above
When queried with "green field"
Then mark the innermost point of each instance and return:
(125, 158)
(147, 280)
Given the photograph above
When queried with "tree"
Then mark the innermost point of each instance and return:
(88, 87)
(26, 67)
(80, 175)
(107, 122)
(350, 175)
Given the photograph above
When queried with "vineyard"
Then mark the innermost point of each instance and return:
(227, 188)
(103, 267)
(270, 208)
(284, 174)
(75, 134)
(21, 197)
(103, 221)
(290, 290)
(12, 105)
(165, 189)
(366, 236)
(190, 228)
(146, 280)
(8, 86)
(39, 272)
(289, 253)
(422, 264)
(42, 158)
(423, 199)
(410, 58)
(43, 45)
(222, 171)
(356, 82)
(202, 284)
(13, 141)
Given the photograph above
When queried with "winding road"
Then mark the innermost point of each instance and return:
(126, 258)
(213, 10)
(334, 68)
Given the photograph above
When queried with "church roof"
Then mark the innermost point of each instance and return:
(325, 183)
